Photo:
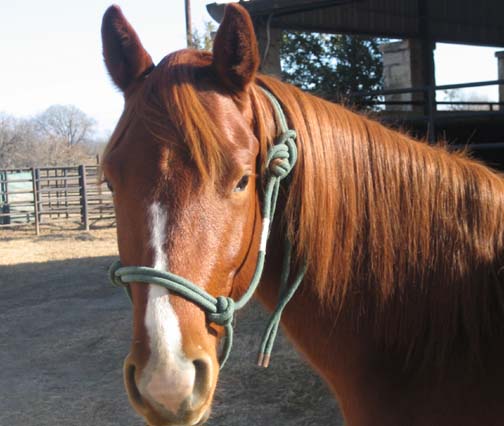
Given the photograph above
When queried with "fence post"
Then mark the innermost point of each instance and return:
(35, 179)
(65, 174)
(39, 197)
(83, 197)
(4, 190)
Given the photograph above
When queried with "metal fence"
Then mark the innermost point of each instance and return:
(47, 195)
(426, 97)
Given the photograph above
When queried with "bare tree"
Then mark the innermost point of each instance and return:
(61, 136)
(65, 123)
(17, 141)
(8, 140)
(463, 100)
(56, 152)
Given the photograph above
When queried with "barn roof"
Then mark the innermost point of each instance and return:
(452, 21)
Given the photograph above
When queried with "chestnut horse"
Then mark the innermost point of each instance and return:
(401, 310)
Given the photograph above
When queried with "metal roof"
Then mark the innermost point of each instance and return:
(452, 21)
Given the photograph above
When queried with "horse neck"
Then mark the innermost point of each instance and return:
(398, 234)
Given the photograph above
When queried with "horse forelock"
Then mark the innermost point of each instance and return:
(405, 236)
(170, 105)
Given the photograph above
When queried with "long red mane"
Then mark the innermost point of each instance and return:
(406, 236)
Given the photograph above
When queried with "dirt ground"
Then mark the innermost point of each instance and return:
(65, 332)
(22, 246)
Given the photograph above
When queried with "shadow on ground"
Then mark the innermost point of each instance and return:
(65, 333)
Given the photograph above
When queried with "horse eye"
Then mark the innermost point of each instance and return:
(242, 184)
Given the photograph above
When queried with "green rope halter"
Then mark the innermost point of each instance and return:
(220, 310)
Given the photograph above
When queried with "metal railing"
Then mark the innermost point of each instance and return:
(431, 113)
(45, 195)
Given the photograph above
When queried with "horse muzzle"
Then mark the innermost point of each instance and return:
(167, 394)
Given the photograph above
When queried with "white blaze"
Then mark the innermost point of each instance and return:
(157, 227)
(168, 377)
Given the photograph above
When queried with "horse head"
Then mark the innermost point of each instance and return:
(184, 167)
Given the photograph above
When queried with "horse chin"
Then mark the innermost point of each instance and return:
(193, 418)
(198, 422)
(153, 418)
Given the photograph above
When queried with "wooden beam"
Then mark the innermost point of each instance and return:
(188, 23)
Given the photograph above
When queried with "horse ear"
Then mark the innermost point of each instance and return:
(235, 51)
(124, 55)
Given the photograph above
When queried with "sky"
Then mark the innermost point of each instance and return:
(51, 54)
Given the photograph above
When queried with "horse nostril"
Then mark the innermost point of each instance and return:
(131, 386)
(201, 380)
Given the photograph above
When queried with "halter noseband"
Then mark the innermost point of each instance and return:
(280, 160)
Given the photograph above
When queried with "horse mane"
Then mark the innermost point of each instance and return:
(400, 234)
(406, 236)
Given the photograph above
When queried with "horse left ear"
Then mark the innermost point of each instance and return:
(235, 51)
(125, 57)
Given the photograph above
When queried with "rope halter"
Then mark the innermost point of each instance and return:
(283, 155)
(280, 160)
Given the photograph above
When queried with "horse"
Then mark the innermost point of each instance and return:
(401, 308)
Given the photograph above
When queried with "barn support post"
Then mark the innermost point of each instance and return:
(36, 198)
(402, 69)
(427, 46)
(83, 197)
(270, 41)
(500, 75)
(430, 101)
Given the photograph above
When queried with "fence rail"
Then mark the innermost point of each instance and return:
(45, 195)
(428, 100)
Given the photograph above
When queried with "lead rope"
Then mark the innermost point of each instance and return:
(280, 160)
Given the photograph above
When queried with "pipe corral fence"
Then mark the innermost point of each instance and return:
(47, 195)
(425, 98)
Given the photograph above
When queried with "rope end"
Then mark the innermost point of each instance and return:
(263, 360)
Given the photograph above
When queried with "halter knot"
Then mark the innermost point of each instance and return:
(283, 155)
(114, 278)
(225, 308)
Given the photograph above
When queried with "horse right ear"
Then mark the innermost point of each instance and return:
(235, 51)
(124, 55)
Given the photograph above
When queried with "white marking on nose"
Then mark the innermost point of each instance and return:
(157, 227)
(168, 377)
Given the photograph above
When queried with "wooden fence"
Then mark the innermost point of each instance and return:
(46, 195)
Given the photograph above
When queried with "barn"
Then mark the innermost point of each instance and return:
(419, 24)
